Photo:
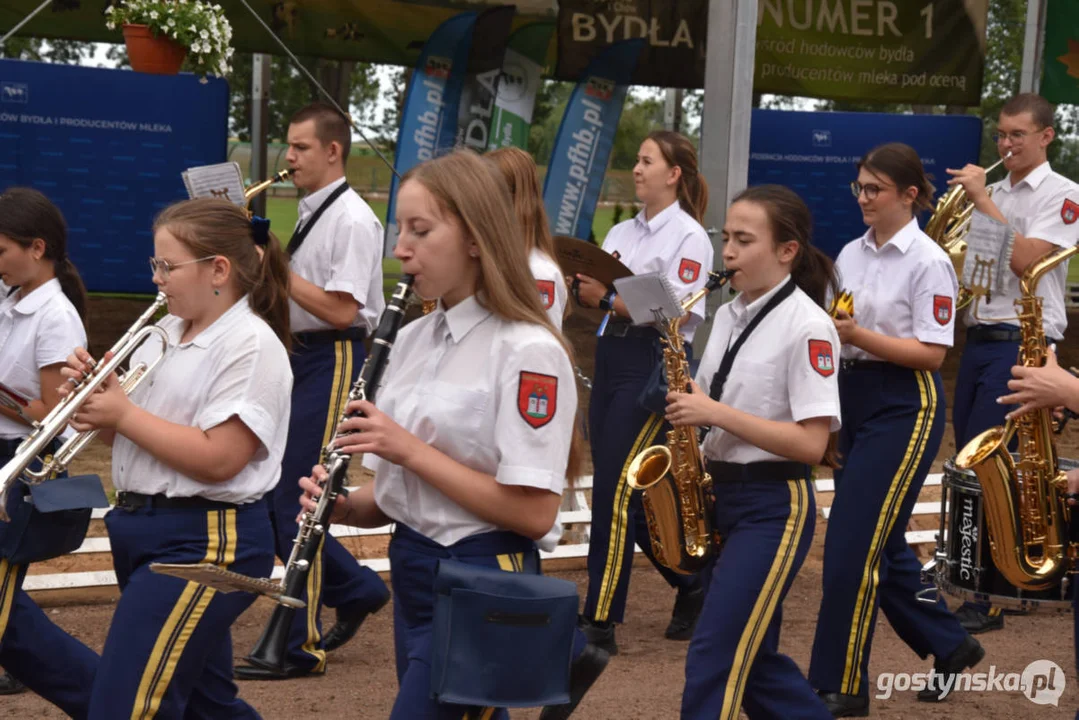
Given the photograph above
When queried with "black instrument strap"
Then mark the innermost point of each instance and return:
(300, 235)
(720, 378)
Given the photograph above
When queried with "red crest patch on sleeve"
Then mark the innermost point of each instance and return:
(537, 398)
(820, 357)
(546, 292)
(1069, 212)
(942, 309)
(689, 270)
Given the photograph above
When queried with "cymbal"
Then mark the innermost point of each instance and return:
(582, 257)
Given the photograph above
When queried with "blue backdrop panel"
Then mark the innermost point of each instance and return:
(108, 147)
(816, 154)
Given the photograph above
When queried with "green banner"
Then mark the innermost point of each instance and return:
(520, 81)
(384, 31)
(918, 51)
(1060, 78)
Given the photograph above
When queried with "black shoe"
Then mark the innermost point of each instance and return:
(253, 672)
(599, 634)
(9, 685)
(687, 608)
(841, 705)
(942, 680)
(348, 623)
(586, 669)
(974, 621)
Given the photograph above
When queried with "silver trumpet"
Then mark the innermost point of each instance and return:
(44, 432)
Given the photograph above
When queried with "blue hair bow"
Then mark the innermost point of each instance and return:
(260, 230)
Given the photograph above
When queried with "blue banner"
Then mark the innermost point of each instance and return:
(108, 147)
(816, 155)
(585, 137)
(429, 118)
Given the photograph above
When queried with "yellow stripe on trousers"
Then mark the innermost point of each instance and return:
(616, 540)
(8, 575)
(893, 501)
(342, 375)
(764, 609)
(185, 616)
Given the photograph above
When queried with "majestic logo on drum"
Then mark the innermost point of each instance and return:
(968, 537)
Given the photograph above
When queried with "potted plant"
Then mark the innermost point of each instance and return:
(159, 34)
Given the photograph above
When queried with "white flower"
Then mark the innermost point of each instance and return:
(171, 22)
(153, 14)
(204, 34)
(110, 25)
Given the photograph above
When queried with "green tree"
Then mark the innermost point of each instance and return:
(63, 52)
(640, 116)
(290, 90)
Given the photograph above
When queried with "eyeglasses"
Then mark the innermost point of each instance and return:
(871, 189)
(1016, 136)
(165, 267)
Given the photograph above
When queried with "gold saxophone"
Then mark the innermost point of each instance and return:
(676, 490)
(1025, 509)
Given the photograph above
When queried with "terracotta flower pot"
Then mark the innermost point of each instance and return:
(158, 55)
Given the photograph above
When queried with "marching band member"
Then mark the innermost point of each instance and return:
(336, 299)
(194, 449)
(1042, 207)
(41, 322)
(519, 172)
(464, 465)
(904, 289)
(666, 237)
(771, 399)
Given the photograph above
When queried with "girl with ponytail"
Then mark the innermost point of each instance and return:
(904, 288)
(767, 391)
(42, 303)
(665, 237)
(194, 450)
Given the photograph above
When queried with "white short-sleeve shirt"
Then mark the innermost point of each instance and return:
(1043, 205)
(787, 370)
(36, 331)
(673, 244)
(904, 289)
(342, 253)
(551, 284)
(237, 367)
(494, 395)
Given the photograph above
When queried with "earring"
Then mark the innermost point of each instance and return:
(216, 291)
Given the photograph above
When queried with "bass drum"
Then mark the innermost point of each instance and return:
(963, 563)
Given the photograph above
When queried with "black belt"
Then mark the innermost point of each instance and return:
(993, 333)
(134, 501)
(325, 337)
(763, 471)
(854, 364)
(623, 328)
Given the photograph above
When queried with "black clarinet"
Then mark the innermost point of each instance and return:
(269, 652)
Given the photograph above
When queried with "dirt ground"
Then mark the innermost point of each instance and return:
(645, 680)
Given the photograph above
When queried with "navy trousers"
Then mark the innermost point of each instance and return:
(619, 429)
(34, 649)
(413, 563)
(893, 422)
(322, 374)
(734, 660)
(168, 653)
(984, 371)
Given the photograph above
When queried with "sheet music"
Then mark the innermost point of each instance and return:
(645, 295)
(223, 180)
(989, 253)
(14, 401)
